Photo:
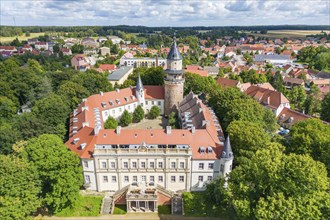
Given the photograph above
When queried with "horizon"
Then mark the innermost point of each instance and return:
(172, 13)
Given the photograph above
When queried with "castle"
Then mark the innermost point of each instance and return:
(145, 167)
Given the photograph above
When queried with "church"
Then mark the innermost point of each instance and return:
(144, 168)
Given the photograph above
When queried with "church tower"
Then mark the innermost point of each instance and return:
(174, 80)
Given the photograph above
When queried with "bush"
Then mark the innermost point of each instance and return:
(126, 119)
(120, 210)
(111, 123)
(154, 112)
(138, 114)
(164, 209)
(84, 206)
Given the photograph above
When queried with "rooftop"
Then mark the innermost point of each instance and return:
(119, 73)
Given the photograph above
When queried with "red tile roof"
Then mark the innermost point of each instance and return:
(267, 97)
(227, 83)
(105, 67)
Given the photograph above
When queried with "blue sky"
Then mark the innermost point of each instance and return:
(164, 13)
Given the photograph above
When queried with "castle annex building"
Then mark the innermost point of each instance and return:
(145, 167)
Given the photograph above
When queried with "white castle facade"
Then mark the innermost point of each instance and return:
(173, 160)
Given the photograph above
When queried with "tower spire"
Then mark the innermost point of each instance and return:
(139, 84)
(227, 151)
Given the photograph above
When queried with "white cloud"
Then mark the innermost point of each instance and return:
(164, 13)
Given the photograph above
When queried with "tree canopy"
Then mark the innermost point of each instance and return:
(138, 114)
(58, 168)
(125, 119)
(19, 188)
(111, 123)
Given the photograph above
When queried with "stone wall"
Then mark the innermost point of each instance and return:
(173, 96)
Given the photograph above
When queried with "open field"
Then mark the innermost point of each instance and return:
(20, 38)
(288, 33)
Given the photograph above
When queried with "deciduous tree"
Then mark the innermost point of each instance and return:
(138, 114)
(111, 123)
(58, 168)
(19, 188)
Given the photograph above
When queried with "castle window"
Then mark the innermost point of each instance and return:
(181, 165)
(85, 164)
(159, 103)
(104, 165)
(221, 167)
(143, 178)
(210, 166)
(143, 164)
(147, 102)
(113, 165)
(105, 179)
(126, 179)
(201, 166)
(181, 179)
(134, 178)
(125, 165)
(134, 164)
(87, 179)
(152, 179)
(173, 165)
(152, 164)
(200, 178)
(160, 164)
(114, 179)
(172, 179)
(160, 179)
(209, 178)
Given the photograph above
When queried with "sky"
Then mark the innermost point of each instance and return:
(172, 13)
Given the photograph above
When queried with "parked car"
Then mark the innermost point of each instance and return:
(284, 132)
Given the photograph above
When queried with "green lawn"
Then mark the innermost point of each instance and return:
(120, 210)
(85, 206)
(164, 209)
(196, 204)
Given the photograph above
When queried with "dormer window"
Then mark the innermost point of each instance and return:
(104, 104)
(201, 150)
(111, 102)
(117, 101)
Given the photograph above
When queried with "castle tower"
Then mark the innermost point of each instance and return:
(226, 160)
(174, 80)
(139, 91)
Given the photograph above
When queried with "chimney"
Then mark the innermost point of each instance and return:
(117, 90)
(101, 93)
(168, 129)
(193, 130)
(118, 129)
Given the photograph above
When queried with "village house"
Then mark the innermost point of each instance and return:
(80, 62)
(271, 99)
(104, 51)
(66, 51)
(41, 45)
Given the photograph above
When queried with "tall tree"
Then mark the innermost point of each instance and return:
(270, 175)
(19, 188)
(59, 170)
(311, 137)
(125, 119)
(246, 137)
(138, 114)
(325, 108)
